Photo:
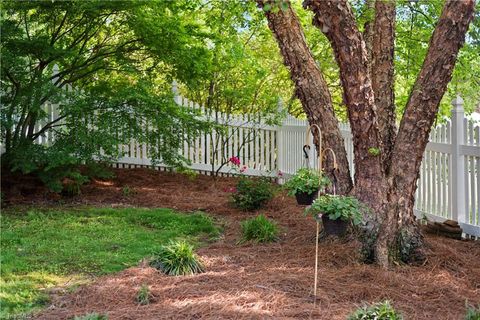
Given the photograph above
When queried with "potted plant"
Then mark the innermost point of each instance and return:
(336, 212)
(304, 185)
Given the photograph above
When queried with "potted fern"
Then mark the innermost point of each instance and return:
(304, 185)
(337, 212)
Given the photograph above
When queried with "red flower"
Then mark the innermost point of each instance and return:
(235, 160)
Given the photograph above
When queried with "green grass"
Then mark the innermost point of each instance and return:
(259, 229)
(42, 249)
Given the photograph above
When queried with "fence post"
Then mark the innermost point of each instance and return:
(458, 162)
(280, 143)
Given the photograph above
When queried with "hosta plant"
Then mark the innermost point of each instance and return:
(177, 258)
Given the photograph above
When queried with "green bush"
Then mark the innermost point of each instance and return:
(92, 316)
(472, 313)
(259, 229)
(252, 194)
(378, 311)
(306, 181)
(177, 258)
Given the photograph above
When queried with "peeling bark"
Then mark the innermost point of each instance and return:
(337, 21)
(382, 74)
(311, 87)
(418, 118)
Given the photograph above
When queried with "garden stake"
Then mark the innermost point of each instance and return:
(320, 155)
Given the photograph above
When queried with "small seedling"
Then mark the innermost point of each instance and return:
(177, 258)
(259, 229)
(143, 295)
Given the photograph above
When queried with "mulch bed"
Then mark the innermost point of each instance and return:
(258, 281)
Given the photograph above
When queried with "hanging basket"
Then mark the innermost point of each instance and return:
(336, 227)
(306, 199)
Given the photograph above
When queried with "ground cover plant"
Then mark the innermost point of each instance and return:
(259, 229)
(44, 248)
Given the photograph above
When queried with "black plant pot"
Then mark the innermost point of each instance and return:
(334, 227)
(305, 199)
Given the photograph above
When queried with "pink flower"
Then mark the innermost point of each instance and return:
(235, 160)
(280, 173)
(243, 169)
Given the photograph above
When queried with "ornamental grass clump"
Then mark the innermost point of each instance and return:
(177, 258)
(259, 229)
(378, 311)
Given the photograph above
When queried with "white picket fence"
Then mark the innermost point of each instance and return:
(448, 187)
(449, 183)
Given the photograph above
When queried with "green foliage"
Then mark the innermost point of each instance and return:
(252, 193)
(374, 151)
(91, 316)
(473, 313)
(307, 181)
(143, 295)
(378, 311)
(191, 174)
(338, 207)
(119, 57)
(96, 170)
(259, 229)
(177, 258)
(42, 249)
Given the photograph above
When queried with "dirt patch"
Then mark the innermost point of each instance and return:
(263, 281)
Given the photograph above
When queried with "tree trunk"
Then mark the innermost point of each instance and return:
(418, 118)
(336, 20)
(387, 183)
(382, 74)
(311, 87)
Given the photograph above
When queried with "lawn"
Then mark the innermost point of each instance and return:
(41, 249)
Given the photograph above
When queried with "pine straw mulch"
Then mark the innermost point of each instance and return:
(261, 281)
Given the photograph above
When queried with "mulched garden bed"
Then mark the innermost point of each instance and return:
(257, 281)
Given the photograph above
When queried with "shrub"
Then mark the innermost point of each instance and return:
(472, 313)
(143, 295)
(252, 194)
(306, 181)
(259, 229)
(96, 170)
(338, 207)
(177, 258)
(72, 184)
(92, 316)
(378, 311)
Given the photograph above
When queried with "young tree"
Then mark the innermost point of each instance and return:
(387, 160)
(108, 66)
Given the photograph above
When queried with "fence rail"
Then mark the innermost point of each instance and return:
(448, 186)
